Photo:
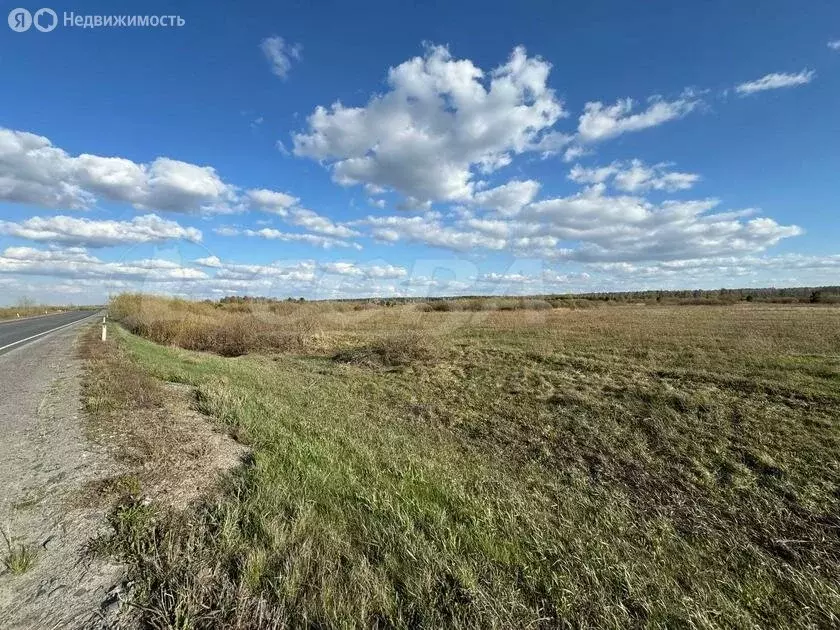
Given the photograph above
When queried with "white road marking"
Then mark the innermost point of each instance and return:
(41, 334)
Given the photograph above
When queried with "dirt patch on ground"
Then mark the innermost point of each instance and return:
(169, 453)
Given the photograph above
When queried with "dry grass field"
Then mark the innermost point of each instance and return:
(533, 467)
(13, 312)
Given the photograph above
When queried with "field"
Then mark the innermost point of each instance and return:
(13, 312)
(414, 467)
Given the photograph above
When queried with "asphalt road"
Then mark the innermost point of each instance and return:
(15, 333)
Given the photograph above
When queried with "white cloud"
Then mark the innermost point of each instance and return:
(368, 271)
(510, 197)
(601, 122)
(775, 81)
(595, 175)
(552, 142)
(317, 240)
(34, 171)
(81, 277)
(634, 176)
(429, 230)
(307, 276)
(629, 228)
(789, 269)
(834, 45)
(593, 226)
(271, 201)
(441, 120)
(180, 186)
(149, 228)
(299, 271)
(286, 206)
(92, 277)
(314, 222)
(76, 263)
(280, 54)
(508, 278)
(574, 152)
(213, 262)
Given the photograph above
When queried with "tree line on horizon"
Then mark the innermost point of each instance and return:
(785, 295)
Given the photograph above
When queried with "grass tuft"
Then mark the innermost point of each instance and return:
(391, 350)
(20, 558)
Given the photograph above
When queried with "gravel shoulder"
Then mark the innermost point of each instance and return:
(47, 464)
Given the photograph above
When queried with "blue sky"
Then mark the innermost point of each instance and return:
(431, 148)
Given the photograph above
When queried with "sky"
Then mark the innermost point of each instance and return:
(336, 149)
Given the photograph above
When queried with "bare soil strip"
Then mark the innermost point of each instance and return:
(47, 461)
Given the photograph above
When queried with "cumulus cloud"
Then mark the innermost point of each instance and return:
(77, 263)
(280, 54)
(366, 271)
(601, 122)
(774, 81)
(65, 230)
(88, 279)
(213, 262)
(429, 230)
(552, 142)
(797, 269)
(271, 201)
(441, 121)
(326, 279)
(316, 240)
(593, 226)
(634, 176)
(834, 44)
(319, 224)
(605, 227)
(34, 171)
(79, 272)
(574, 152)
(508, 198)
(286, 206)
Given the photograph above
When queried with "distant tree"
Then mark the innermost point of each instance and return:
(816, 297)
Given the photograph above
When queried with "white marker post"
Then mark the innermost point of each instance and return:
(104, 330)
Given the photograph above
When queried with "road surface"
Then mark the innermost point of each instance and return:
(16, 332)
(48, 466)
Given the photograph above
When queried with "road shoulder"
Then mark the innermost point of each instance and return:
(48, 464)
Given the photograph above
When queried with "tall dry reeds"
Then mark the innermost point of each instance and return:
(229, 329)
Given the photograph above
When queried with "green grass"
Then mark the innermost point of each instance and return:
(20, 558)
(672, 467)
